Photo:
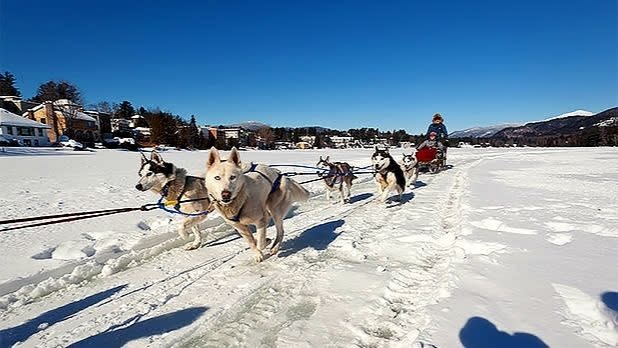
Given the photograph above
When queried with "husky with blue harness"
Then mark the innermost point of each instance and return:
(174, 185)
(251, 197)
(338, 176)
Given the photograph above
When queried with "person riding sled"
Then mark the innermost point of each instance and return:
(437, 126)
(432, 142)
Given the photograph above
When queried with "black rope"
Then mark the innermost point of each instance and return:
(68, 217)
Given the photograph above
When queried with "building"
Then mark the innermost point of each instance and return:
(120, 125)
(103, 122)
(342, 142)
(15, 104)
(23, 131)
(65, 118)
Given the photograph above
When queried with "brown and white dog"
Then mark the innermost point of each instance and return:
(251, 197)
(338, 178)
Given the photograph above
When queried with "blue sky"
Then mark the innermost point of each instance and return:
(340, 64)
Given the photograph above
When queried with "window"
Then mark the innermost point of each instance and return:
(43, 121)
(9, 130)
(40, 132)
(25, 131)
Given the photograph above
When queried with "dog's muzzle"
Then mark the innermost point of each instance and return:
(226, 196)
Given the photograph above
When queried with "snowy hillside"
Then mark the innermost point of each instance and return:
(569, 114)
(508, 248)
(481, 132)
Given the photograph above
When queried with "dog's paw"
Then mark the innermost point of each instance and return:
(258, 257)
(192, 246)
(274, 250)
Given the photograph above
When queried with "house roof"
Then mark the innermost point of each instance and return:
(66, 106)
(10, 119)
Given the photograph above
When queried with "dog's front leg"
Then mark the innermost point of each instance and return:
(261, 235)
(244, 231)
(386, 193)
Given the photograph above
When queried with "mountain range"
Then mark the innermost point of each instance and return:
(564, 124)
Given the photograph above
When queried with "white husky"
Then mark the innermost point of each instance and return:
(409, 164)
(246, 198)
(174, 184)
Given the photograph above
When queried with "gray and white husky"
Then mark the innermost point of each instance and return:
(338, 178)
(389, 175)
(409, 165)
(251, 197)
(164, 178)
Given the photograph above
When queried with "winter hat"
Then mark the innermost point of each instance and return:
(437, 117)
(433, 133)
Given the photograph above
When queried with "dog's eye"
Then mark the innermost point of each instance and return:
(217, 177)
(232, 177)
(149, 174)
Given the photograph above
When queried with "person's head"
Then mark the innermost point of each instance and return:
(433, 135)
(437, 118)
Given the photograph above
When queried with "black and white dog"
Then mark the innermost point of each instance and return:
(389, 175)
(409, 165)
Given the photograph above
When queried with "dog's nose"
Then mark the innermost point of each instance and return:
(226, 195)
(139, 187)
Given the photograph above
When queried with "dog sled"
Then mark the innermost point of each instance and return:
(430, 159)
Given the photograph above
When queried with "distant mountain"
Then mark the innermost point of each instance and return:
(250, 125)
(572, 113)
(496, 130)
(561, 126)
(481, 132)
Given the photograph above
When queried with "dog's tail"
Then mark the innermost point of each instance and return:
(294, 191)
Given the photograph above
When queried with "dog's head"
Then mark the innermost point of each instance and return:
(324, 162)
(409, 161)
(381, 158)
(224, 179)
(154, 172)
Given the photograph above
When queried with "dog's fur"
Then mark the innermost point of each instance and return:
(338, 178)
(389, 175)
(245, 199)
(155, 174)
(409, 165)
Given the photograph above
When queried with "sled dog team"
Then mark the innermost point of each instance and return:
(251, 194)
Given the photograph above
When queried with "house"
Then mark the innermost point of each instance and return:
(342, 142)
(303, 145)
(65, 118)
(15, 104)
(120, 125)
(15, 128)
(104, 122)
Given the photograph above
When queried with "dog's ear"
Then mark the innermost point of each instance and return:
(234, 156)
(156, 157)
(327, 158)
(213, 157)
(321, 159)
(144, 159)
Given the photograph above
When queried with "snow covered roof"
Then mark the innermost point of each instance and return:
(10, 119)
(75, 114)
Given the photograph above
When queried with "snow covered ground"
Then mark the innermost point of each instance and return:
(508, 248)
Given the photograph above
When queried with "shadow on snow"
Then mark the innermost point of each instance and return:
(610, 298)
(118, 337)
(481, 333)
(317, 237)
(22, 332)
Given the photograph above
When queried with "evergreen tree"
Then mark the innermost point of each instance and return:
(124, 110)
(7, 85)
(52, 91)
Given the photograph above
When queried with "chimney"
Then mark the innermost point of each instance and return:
(49, 110)
(31, 114)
